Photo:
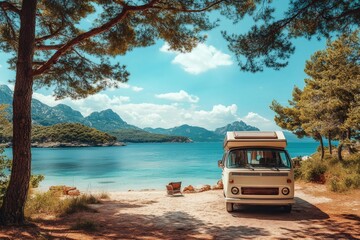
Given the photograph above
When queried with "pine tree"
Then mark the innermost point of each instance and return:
(331, 96)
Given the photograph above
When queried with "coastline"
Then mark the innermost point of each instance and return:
(66, 144)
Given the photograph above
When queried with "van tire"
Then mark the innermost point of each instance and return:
(229, 207)
(287, 208)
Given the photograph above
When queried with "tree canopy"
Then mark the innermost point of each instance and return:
(268, 43)
(329, 103)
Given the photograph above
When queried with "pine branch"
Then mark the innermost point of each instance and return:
(98, 30)
(7, 6)
(48, 47)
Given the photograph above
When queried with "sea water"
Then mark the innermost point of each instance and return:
(136, 166)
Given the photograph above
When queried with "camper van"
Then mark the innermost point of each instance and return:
(257, 170)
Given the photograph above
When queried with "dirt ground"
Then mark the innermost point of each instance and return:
(317, 214)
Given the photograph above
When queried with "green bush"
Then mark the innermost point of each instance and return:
(50, 203)
(5, 165)
(340, 176)
(313, 170)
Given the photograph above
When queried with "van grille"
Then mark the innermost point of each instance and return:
(259, 191)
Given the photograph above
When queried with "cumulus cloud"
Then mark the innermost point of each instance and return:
(259, 121)
(200, 59)
(162, 115)
(137, 89)
(127, 86)
(180, 96)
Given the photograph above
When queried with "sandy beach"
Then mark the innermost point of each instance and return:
(317, 214)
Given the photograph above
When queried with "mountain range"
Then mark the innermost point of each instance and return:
(109, 121)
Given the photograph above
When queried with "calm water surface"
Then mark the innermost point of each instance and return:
(136, 166)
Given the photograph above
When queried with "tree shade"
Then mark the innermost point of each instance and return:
(51, 48)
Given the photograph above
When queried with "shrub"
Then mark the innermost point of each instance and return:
(104, 195)
(313, 170)
(340, 176)
(50, 203)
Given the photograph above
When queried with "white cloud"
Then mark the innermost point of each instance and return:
(200, 59)
(180, 96)
(162, 115)
(128, 86)
(123, 85)
(0, 66)
(259, 121)
(137, 89)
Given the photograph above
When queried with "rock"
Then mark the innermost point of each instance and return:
(73, 192)
(219, 185)
(189, 189)
(66, 190)
(205, 188)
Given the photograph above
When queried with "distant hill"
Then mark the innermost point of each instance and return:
(196, 134)
(45, 115)
(199, 134)
(107, 120)
(141, 136)
(71, 133)
(235, 126)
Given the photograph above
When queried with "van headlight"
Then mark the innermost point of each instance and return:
(285, 191)
(235, 190)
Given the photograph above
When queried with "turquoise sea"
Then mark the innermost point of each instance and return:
(136, 166)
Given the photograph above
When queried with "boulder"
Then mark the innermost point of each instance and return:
(219, 185)
(73, 192)
(64, 190)
(205, 188)
(189, 189)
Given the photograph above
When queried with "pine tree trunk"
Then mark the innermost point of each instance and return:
(12, 210)
(330, 147)
(348, 136)
(339, 149)
(322, 147)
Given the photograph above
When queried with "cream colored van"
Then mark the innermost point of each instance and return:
(257, 170)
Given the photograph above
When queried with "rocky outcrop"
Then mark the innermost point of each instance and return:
(64, 190)
(219, 185)
(189, 189)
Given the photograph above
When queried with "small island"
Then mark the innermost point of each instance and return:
(68, 135)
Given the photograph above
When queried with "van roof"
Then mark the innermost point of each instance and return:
(235, 139)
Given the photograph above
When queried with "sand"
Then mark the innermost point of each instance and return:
(317, 214)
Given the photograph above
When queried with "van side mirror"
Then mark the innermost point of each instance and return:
(220, 164)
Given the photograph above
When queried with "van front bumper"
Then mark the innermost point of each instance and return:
(257, 201)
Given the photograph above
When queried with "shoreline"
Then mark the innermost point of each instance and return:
(66, 145)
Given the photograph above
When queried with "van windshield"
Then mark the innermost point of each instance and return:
(258, 158)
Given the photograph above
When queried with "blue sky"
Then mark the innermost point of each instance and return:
(203, 88)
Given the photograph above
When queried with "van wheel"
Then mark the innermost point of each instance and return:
(229, 207)
(287, 208)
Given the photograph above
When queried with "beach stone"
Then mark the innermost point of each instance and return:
(189, 189)
(219, 185)
(205, 188)
(73, 192)
(67, 189)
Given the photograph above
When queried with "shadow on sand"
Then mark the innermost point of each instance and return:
(115, 223)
